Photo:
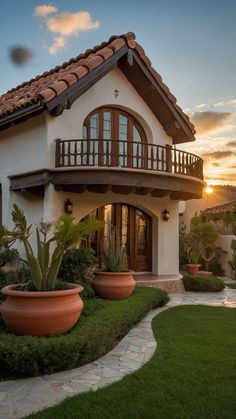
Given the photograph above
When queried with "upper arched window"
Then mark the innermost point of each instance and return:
(117, 133)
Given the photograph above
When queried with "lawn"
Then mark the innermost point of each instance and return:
(191, 375)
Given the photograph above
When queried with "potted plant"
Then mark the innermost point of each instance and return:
(114, 281)
(45, 306)
(193, 265)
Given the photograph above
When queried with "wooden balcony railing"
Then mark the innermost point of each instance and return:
(127, 154)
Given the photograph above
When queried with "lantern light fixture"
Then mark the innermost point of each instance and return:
(68, 207)
(166, 215)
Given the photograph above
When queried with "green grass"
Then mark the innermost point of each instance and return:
(192, 374)
(102, 324)
(233, 286)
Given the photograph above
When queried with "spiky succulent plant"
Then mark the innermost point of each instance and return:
(44, 266)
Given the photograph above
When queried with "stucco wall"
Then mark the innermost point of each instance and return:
(23, 148)
(69, 125)
(225, 243)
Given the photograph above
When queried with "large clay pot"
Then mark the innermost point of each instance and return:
(114, 285)
(192, 268)
(41, 313)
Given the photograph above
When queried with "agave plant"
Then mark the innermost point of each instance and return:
(45, 266)
(114, 258)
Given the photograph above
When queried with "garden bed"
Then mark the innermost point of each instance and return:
(201, 283)
(102, 324)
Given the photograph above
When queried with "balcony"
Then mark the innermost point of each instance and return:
(127, 155)
(122, 167)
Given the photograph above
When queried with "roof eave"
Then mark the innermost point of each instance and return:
(21, 114)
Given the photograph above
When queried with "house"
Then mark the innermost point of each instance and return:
(101, 130)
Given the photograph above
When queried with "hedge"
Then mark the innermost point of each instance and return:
(102, 324)
(203, 283)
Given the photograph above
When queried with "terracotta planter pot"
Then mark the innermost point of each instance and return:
(41, 313)
(114, 285)
(192, 268)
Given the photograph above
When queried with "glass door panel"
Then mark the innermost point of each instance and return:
(108, 231)
(125, 229)
(94, 135)
(141, 233)
(107, 137)
(123, 137)
(137, 148)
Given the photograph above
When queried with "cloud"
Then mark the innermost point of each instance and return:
(64, 25)
(68, 24)
(225, 102)
(231, 144)
(226, 177)
(209, 121)
(216, 164)
(202, 105)
(44, 10)
(217, 155)
(58, 43)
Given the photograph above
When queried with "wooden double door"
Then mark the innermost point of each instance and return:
(131, 228)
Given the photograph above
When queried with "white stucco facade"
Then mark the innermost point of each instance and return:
(30, 146)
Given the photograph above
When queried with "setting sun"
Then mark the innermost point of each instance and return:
(209, 189)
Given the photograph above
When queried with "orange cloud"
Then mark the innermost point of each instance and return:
(219, 154)
(231, 144)
(209, 121)
(68, 24)
(64, 25)
(44, 10)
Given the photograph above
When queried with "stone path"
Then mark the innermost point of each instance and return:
(22, 397)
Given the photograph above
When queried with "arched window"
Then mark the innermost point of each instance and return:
(115, 137)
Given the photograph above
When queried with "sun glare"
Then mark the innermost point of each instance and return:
(209, 189)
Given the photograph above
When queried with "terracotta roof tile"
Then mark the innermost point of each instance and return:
(80, 71)
(70, 79)
(92, 62)
(105, 53)
(47, 94)
(227, 206)
(43, 88)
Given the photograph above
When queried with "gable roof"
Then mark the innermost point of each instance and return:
(57, 89)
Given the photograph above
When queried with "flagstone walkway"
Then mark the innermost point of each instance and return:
(22, 397)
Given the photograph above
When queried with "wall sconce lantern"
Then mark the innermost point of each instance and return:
(166, 215)
(116, 93)
(68, 207)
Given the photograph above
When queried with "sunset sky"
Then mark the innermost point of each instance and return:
(191, 44)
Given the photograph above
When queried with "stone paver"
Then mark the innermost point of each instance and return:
(22, 397)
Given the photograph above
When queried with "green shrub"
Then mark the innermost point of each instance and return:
(102, 324)
(17, 277)
(77, 264)
(88, 291)
(8, 256)
(203, 283)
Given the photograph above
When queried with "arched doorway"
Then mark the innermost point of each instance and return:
(115, 137)
(132, 228)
